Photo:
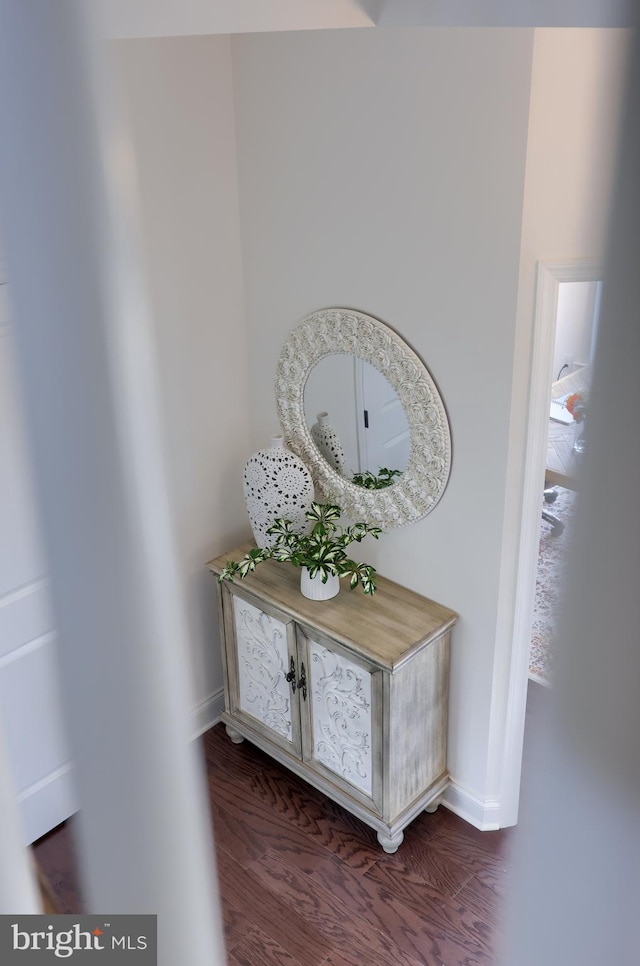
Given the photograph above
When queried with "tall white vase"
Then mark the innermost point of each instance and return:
(328, 442)
(276, 484)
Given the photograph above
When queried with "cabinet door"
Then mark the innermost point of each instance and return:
(342, 718)
(260, 650)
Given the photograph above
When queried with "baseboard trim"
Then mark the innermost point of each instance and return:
(50, 801)
(206, 714)
(484, 815)
(538, 679)
(47, 803)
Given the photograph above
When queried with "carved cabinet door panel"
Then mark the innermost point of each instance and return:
(341, 732)
(261, 655)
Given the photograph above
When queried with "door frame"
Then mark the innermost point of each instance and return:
(550, 275)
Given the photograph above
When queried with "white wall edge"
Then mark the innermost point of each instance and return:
(206, 714)
(550, 273)
(52, 799)
(484, 815)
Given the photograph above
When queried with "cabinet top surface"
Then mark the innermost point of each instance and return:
(384, 628)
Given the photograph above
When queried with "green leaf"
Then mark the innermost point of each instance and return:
(321, 551)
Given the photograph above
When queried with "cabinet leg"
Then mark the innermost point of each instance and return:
(390, 843)
(235, 736)
(432, 806)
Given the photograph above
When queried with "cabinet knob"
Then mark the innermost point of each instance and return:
(291, 676)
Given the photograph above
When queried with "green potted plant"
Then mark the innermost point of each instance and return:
(321, 553)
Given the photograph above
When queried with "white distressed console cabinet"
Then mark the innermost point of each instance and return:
(350, 693)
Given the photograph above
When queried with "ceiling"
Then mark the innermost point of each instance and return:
(167, 18)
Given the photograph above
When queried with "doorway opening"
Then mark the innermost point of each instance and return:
(574, 329)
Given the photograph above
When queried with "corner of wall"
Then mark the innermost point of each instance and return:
(482, 814)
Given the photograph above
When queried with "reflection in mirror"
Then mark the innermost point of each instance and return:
(328, 442)
(356, 420)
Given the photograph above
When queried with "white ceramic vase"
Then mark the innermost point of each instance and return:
(276, 484)
(328, 442)
(314, 589)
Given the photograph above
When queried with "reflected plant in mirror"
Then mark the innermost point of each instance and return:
(376, 481)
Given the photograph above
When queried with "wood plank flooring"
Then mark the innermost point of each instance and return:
(304, 883)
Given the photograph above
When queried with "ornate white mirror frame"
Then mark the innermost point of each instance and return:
(339, 330)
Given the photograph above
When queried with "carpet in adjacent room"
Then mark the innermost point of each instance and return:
(552, 557)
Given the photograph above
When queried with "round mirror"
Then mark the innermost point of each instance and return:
(316, 383)
(356, 420)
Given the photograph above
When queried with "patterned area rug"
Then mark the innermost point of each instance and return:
(552, 556)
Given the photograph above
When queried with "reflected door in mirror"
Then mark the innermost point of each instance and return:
(383, 437)
(364, 412)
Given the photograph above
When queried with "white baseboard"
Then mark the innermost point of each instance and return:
(207, 713)
(539, 680)
(484, 815)
(47, 803)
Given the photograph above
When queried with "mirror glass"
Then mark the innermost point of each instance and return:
(353, 369)
(357, 420)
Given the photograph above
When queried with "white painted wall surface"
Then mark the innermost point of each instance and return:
(178, 94)
(577, 302)
(575, 115)
(574, 118)
(384, 170)
(30, 708)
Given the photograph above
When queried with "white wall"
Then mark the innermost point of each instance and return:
(30, 706)
(576, 88)
(575, 110)
(384, 170)
(577, 305)
(178, 94)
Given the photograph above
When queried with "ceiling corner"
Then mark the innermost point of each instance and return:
(372, 9)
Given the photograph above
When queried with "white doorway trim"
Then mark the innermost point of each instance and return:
(550, 275)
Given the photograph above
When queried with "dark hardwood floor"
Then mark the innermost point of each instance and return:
(304, 883)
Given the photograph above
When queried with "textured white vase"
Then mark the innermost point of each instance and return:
(276, 484)
(328, 442)
(314, 589)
